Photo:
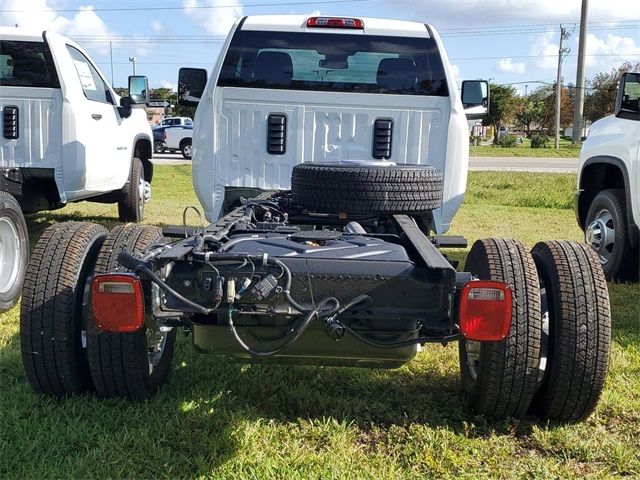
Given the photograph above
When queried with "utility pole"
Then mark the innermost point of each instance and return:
(562, 52)
(111, 55)
(578, 108)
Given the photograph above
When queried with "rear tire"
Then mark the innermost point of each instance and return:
(501, 377)
(131, 207)
(185, 149)
(367, 189)
(14, 250)
(577, 357)
(53, 313)
(122, 364)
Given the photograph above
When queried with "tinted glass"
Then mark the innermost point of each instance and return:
(27, 64)
(93, 85)
(334, 62)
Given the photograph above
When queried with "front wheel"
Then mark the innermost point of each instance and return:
(500, 378)
(14, 250)
(608, 234)
(158, 146)
(131, 207)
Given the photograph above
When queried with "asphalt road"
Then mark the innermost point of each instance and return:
(516, 164)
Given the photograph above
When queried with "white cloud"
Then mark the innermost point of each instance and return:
(507, 65)
(545, 50)
(157, 26)
(164, 84)
(38, 15)
(610, 51)
(216, 21)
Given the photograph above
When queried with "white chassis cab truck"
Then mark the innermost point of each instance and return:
(608, 198)
(330, 154)
(66, 137)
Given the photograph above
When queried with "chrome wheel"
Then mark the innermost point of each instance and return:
(187, 150)
(601, 235)
(473, 357)
(147, 192)
(544, 341)
(10, 255)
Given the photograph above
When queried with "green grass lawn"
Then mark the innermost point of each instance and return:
(222, 420)
(566, 150)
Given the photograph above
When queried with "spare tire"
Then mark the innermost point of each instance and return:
(366, 189)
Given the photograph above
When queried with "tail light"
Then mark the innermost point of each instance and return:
(335, 22)
(117, 302)
(485, 311)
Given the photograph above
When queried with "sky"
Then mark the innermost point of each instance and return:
(507, 41)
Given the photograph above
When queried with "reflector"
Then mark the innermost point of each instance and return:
(485, 310)
(117, 302)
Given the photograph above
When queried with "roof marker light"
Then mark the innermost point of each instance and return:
(335, 22)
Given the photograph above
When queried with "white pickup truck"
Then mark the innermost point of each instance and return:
(348, 140)
(608, 199)
(67, 137)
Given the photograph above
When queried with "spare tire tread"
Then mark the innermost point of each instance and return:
(580, 330)
(50, 323)
(346, 189)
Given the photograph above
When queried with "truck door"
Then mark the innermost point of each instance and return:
(95, 155)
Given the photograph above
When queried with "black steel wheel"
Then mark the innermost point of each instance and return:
(14, 250)
(608, 234)
(577, 354)
(367, 189)
(53, 311)
(133, 365)
(500, 378)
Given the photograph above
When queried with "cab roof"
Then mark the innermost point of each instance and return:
(21, 34)
(372, 26)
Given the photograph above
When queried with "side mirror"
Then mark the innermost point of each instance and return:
(191, 83)
(628, 97)
(138, 91)
(475, 98)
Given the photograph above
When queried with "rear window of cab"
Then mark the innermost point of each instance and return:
(334, 63)
(27, 64)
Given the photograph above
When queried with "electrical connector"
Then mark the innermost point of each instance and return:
(217, 289)
(243, 285)
(231, 290)
(265, 287)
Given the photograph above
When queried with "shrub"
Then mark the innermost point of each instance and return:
(539, 141)
(508, 141)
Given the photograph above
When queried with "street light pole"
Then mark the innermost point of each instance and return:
(562, 52)
(133, 61)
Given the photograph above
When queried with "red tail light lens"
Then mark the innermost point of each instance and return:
(333, 22)
(117, 302)
(485, 311)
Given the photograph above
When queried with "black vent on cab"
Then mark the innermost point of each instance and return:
(10, 122)
(382, 133)
(276, 134)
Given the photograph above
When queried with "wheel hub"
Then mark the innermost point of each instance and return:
(9, 254)
(600, 234)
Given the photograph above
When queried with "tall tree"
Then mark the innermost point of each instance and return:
(530, 113)
(600, 98)
(504, 107)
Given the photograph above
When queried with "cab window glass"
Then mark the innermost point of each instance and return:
(92, 84)
(27, 64)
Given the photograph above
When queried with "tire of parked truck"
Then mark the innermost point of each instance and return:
(608, 233)
(500, 378)
(131, 207)
(366, 189)
(185, 148)
(14, 250)
(576, 354)
(54, 307)
(128, 365)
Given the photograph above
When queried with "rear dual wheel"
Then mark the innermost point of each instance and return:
(136, 364)
(554, 361)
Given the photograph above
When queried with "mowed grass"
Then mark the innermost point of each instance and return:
(221, 420)
(566, 150)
